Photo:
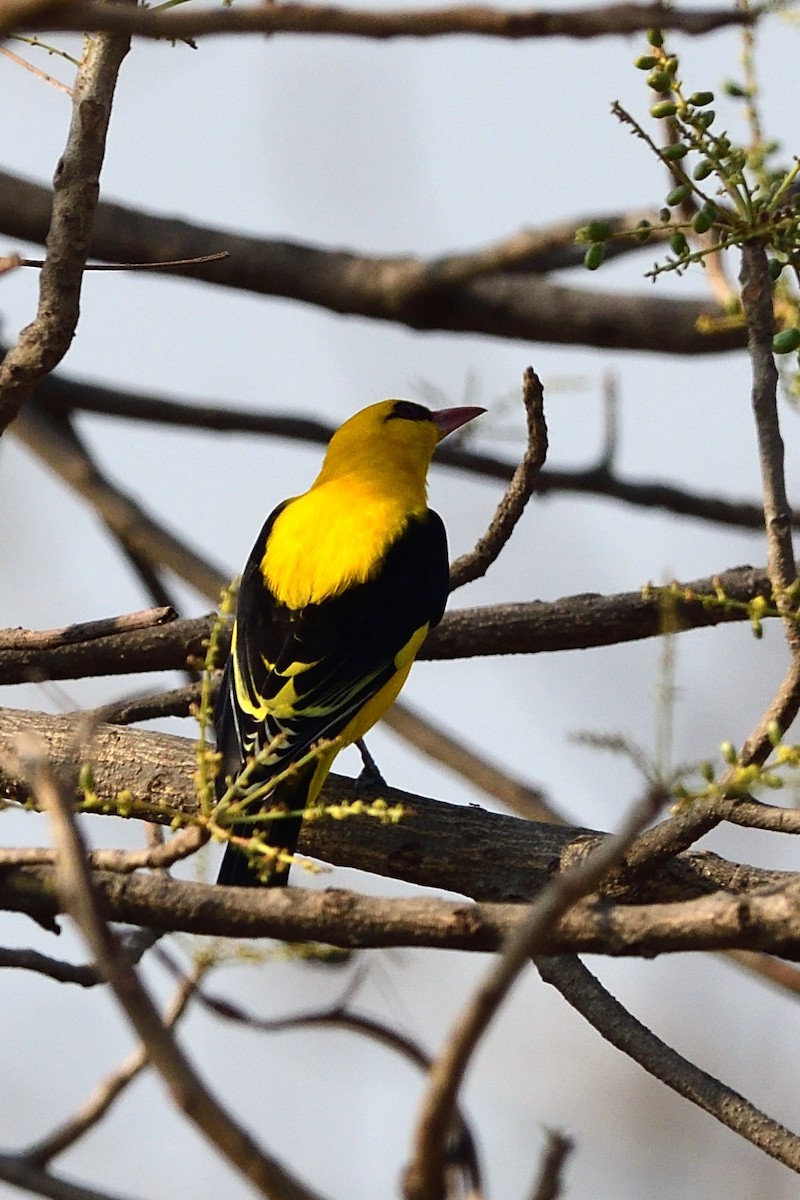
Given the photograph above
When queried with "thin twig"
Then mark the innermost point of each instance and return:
(76, 188)
(548, 1184)
(477, 562)
(86, 631)
(109, 1089)
(613, 1022)
(425, 1174)
(462, 1152)
(40, 74)
(20, 1174)
(59, 446)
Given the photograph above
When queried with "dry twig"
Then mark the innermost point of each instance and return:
(522, 486)
(76, 183)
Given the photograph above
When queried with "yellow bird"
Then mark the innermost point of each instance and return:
(335, 601)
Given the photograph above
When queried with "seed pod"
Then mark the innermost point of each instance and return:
(786, 341)
(664, 108)
(659, 81)
(646, 62)
(594, 256)
(655, 37)
(673, 153)
(703, 169)
(703, 221)
(598, 231)
(678, 195)
(700, 99)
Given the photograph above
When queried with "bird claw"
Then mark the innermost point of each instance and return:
(370, 777)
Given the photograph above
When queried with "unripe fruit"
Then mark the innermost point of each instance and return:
(594, 256)
(786, 341)
(664, 108)
(673, 153)
(678, 195)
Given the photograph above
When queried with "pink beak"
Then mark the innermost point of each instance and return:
(447, 420)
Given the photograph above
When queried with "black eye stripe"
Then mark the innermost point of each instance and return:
(406, 410)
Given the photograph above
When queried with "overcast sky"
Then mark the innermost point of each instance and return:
(423, 148)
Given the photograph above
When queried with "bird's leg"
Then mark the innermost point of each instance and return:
(370, 776)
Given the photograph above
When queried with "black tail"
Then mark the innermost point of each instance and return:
(237, 872)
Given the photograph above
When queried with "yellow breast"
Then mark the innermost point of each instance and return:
(330, 538)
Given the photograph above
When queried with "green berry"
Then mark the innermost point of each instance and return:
(703, 169)
(705, 119)
(598, 231)
(673, 153)
(659, 81)
(678, 195)
(703, 221)
(664, 108)
(786, 341)
(646, 62)
(735, 90)
(594, 256)
(655, 37)
(700, 99)
(679, 245)
(671, 65)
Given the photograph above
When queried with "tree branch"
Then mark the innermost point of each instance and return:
(76, 188)
(510, 304)
(317, 19)
(476, 563)
(533, 627)
(613, 1022)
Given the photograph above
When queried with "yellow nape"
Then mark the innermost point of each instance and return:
(334, 535)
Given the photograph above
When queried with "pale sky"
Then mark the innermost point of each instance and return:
(423, 148)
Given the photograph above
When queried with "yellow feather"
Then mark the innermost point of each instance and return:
(334, 535)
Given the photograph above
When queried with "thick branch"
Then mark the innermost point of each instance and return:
(506, 305)
(461, 849)
(536, 627)
(318, 19)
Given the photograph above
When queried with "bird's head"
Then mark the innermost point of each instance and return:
(392, 436)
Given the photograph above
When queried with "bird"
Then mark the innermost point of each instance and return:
(338, 594)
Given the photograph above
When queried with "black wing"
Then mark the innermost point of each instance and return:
(299, 675)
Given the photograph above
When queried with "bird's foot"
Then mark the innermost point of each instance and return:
(370, 777)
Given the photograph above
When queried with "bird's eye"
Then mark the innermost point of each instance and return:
(405, 410)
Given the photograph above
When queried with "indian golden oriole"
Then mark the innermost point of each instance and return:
(337, 597)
